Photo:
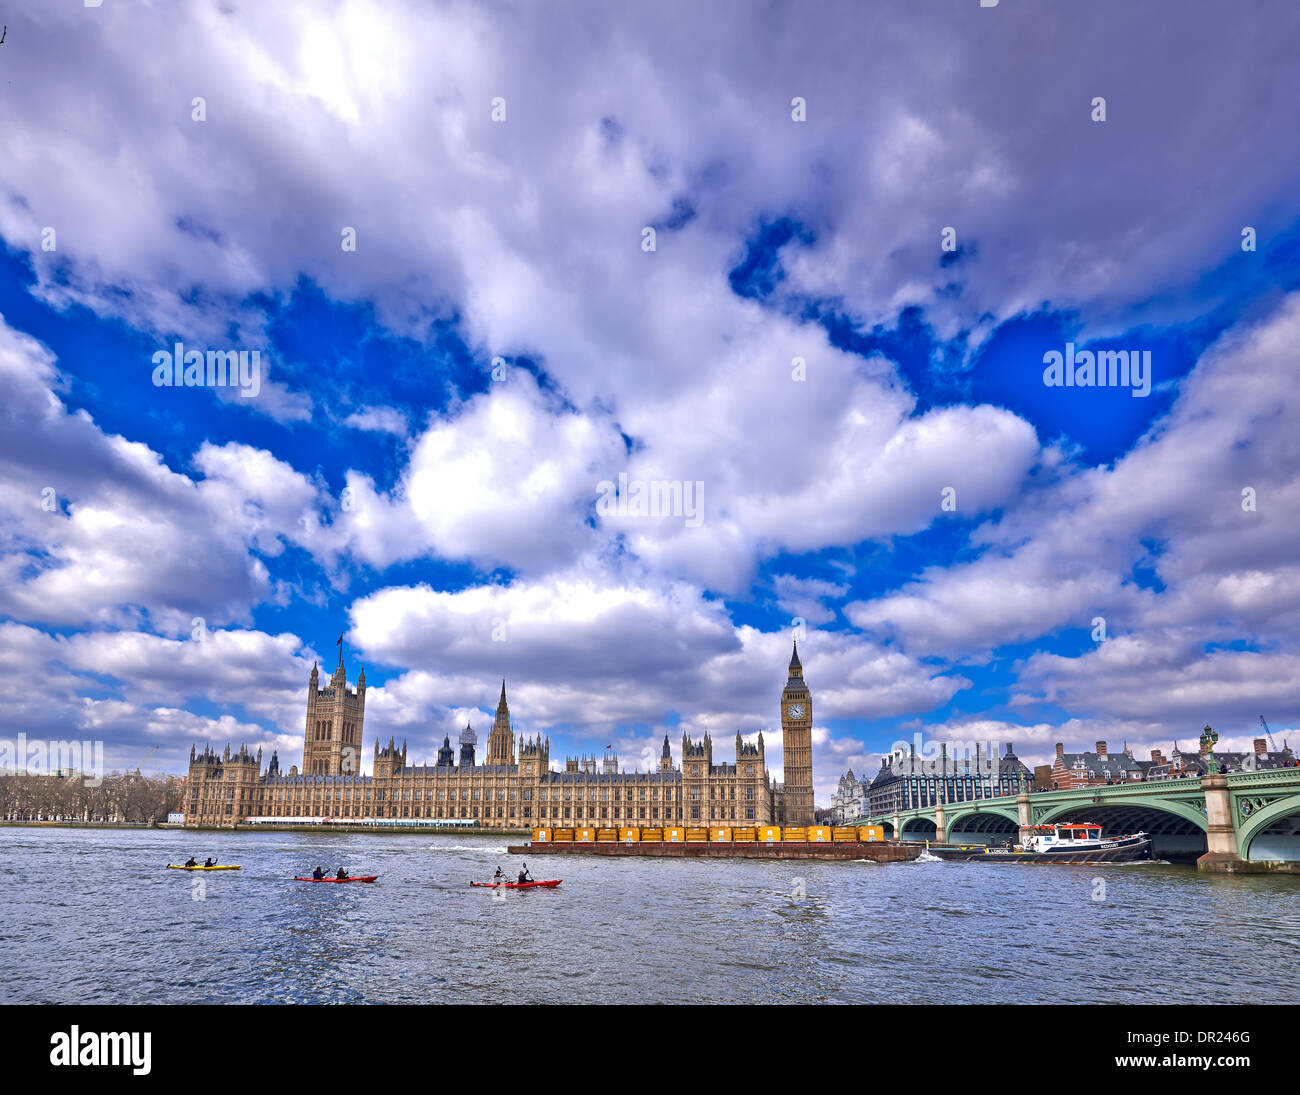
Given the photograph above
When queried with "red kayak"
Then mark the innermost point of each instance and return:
(517, 885)
(359, 878)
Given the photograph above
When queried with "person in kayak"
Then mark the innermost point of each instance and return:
(342, 873)
(499, 877)
(209, 863)
(191, 862)
(318, 874)
(524, 876)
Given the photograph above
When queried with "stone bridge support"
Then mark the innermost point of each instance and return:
(1220, 834)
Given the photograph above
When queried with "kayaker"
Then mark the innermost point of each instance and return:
(318, 874)
(209, 863)
(342, 873)
(524, 876)
(499, 877)
(191, 862)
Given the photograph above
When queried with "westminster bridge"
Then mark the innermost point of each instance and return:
(1244, 821)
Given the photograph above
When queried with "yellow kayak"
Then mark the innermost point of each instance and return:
(178, 867)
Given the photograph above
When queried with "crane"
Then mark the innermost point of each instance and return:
(1268, 733)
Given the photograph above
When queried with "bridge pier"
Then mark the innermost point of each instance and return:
(1025, 815)
(1220, 834)
(940, 829)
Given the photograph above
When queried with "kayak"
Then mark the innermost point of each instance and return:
(178, 867)
(358, 878)
(517, 885)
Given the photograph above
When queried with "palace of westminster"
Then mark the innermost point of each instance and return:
(514, 787)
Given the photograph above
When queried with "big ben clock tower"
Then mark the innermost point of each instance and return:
(796, 734)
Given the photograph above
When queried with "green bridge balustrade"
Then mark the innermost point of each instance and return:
(1245, 821)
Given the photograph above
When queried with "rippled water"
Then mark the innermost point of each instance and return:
(93, 916)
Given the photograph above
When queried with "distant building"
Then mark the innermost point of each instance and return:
(1098, 769)
(851, 799)
(908, 782)
(1181, 765)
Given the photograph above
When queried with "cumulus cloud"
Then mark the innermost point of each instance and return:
(1206, 501)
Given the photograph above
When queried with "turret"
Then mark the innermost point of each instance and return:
(446, 755)
(468, 740)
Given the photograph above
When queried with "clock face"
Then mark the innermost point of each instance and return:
(795, 710)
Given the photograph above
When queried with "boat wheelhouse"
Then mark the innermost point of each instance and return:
(1063, 835)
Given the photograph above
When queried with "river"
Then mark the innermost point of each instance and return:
(93, 916)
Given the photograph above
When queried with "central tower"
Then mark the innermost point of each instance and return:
(796, 735)
(501, 742)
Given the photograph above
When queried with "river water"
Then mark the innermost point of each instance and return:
(93, 916)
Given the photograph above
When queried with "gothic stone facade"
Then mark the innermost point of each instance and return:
(515, 788)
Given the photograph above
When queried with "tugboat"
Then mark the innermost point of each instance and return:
(1062, 842)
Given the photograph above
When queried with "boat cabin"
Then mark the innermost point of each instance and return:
(1065, 834)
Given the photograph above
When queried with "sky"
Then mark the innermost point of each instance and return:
(808, 262)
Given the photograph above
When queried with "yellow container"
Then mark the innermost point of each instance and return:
(871, 832)
(697, 836)
(561, 836)
(721, 836)
(768, 834)
(541, 836)
(674, 835)
(629, 836)
(818, 833)
(796, 833)
(584, 836)
(844, 834)
(744, 836)
(652, 836)
(607, 836)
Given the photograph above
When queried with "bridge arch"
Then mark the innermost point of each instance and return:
(917, 827)
(1280, 818)
(994, 823)
(1177, 830)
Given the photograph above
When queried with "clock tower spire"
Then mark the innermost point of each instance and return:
(796, 733)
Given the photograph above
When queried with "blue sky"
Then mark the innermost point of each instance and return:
(882, 469)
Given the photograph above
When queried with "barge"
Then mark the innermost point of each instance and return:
(761, 842)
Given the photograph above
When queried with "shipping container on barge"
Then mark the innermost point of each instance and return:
(741, 842)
